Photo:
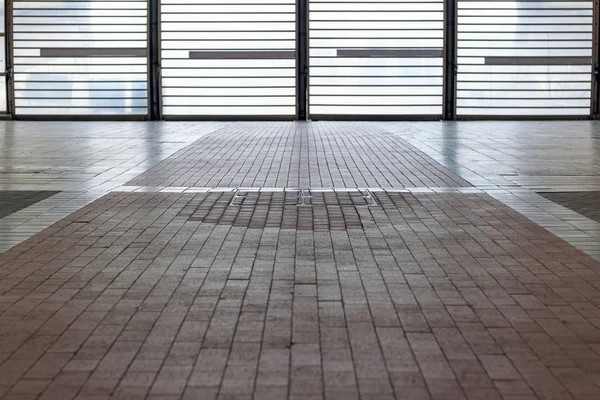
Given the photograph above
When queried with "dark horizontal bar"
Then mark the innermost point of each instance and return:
(371, 95)
(92, 52)
(243, 55)
(86, 81)
(79, 98)
(221, 87)
(219, 96)
(90, 107)
(515, 98)
(395, 53)
(520, 107)
(538, 61)
(520, 82)
(504, 90)
(168, 117)
(80, 117)
(378, 117)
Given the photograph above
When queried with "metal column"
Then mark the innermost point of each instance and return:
(595, 95)
(154, 104)
(8, 32)
(450, 67)
(302, 59)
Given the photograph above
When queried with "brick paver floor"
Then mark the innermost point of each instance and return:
(271, 285)
(12, 201)
(585, 203)
(292, 154)
(428, 296)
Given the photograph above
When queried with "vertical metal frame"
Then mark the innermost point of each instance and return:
(595, 92)
(149, 35)
(302, 77)
(450, 59)
(9, 57)
(154, 59)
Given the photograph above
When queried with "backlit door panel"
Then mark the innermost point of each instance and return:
(524, 57)
(3, 85)
(228, 58)
(376, 58)
(80, 57)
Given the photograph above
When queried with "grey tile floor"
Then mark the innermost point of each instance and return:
(531, 154)
(585, 203)
(12, 201)
(512, 160)
(79, 156)
(83, 160)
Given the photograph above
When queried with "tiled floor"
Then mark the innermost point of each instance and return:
(83, 160)
(77, 156)
(12, 201)
(321, 260)
(300, 155)
(585, 203)
(536, 154)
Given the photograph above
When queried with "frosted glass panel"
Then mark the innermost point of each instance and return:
(80, 57)
(524, 58)
(3, 99)
(3, 92)
(228, 58)
(2, 17)
(2, 54)
(376, 58)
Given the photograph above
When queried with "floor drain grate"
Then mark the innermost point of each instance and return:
(348, 197)
(369, 198)
(304, 198)
(303, 209)
(257, 197)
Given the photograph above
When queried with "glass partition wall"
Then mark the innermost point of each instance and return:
(228, 58)
(80, 57)
(244, 58)
(3, 81)
(376, 58)
(524, 58)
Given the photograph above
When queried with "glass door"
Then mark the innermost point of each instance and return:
(3, 82)
(376, 58)
(80, 57)
(228, 58)
(527, 58)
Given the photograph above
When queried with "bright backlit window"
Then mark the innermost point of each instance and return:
(80, 57)
(369, 58)
(524, 57)
(228, 58)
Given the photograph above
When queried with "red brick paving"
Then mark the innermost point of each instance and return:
(303, 210)
(435, 296)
